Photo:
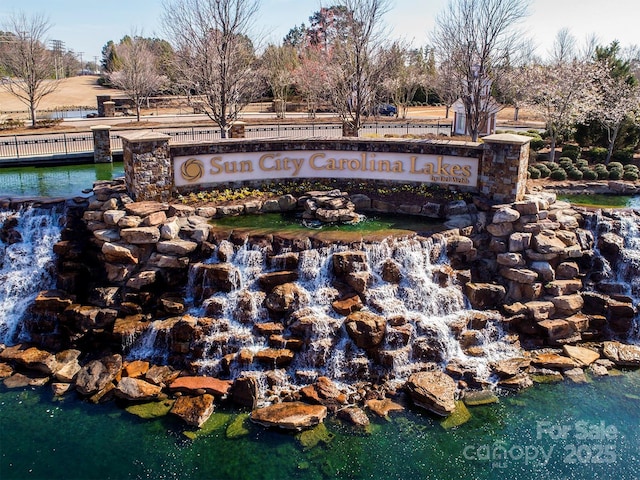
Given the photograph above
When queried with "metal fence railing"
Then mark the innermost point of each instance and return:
(27, 146)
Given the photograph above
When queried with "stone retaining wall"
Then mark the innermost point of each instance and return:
(502, 159)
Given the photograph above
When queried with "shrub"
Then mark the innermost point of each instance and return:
(559, 174)
(571, 151)
(630, 175)
(598, 154)
(11, 124)
(543, 169)
(615, 174)
(575, 174)
(536, 140)
(625, 155)
(602, 174)
(534, 172)
(588, 174)
(581, 163)
(615, 166)
(566, 163)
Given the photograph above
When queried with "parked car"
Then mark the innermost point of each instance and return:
(385, 109)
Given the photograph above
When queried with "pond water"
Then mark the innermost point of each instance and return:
(602, 201)
(559, 431)
(291, 225)
(62, 181)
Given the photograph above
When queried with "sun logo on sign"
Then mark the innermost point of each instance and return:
(192, 170)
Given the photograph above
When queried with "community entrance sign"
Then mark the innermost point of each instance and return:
(268, 165)
(156, 170)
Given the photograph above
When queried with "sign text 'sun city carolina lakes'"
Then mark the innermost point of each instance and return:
(229, 167)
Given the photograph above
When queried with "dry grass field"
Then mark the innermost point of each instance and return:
(71, 92)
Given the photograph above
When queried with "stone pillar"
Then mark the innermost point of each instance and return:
(349, 130)
(148, 168)
(100, 100)
(237, 129)
(102, 144)
(503, 169)
(109, 109)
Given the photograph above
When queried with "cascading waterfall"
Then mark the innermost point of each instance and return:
(432, 314)
(26, 265)
(626, 272)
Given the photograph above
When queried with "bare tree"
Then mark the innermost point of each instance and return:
(27, 61)
(406, 71)
(564, 46)
(475, 38)
(138, 74)
(446, 86)
(215, 56)
(354, 75)
(278, 66)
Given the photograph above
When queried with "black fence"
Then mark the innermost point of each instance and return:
(28, 146)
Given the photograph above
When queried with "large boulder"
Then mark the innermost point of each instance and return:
(97, 374)
(286, 298)
(485, 295)
(622, 354)
(194, 410)
(135, 389)
(31, 358)
(434, 391)
(290, 415)
(366, 329)
(547, 242)
(140, 235)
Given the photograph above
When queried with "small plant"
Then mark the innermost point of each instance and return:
(544, 170)
(575, 174)
(615, 166)
(534, 173)
(581, 163)
(630, 175)
(571, 151)
(598, 154)
(589, 174)
(624, 155)
(565, 163)
(615, 174)
(559, 174)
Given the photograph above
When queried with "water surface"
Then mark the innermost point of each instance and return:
(560, 431)
(62, 181)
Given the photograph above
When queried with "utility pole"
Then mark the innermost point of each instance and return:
(95, 64)
(81, 64)
(57, 46)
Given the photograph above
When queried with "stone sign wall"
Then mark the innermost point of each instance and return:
(497, 167)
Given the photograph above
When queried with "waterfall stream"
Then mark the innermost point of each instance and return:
(623, 276)
(26, 264)
(426, 319)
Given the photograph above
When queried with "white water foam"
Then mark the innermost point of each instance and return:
(433, 312)
(26, 267)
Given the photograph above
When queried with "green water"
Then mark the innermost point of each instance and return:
(64, 181)
(602, 201)
(559, 431)
(292, 224)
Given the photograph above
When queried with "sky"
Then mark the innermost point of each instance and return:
(87, 25)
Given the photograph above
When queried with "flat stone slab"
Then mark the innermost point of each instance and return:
(211, 385)
(290, 415)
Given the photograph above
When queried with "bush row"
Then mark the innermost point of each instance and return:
(580, 170)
